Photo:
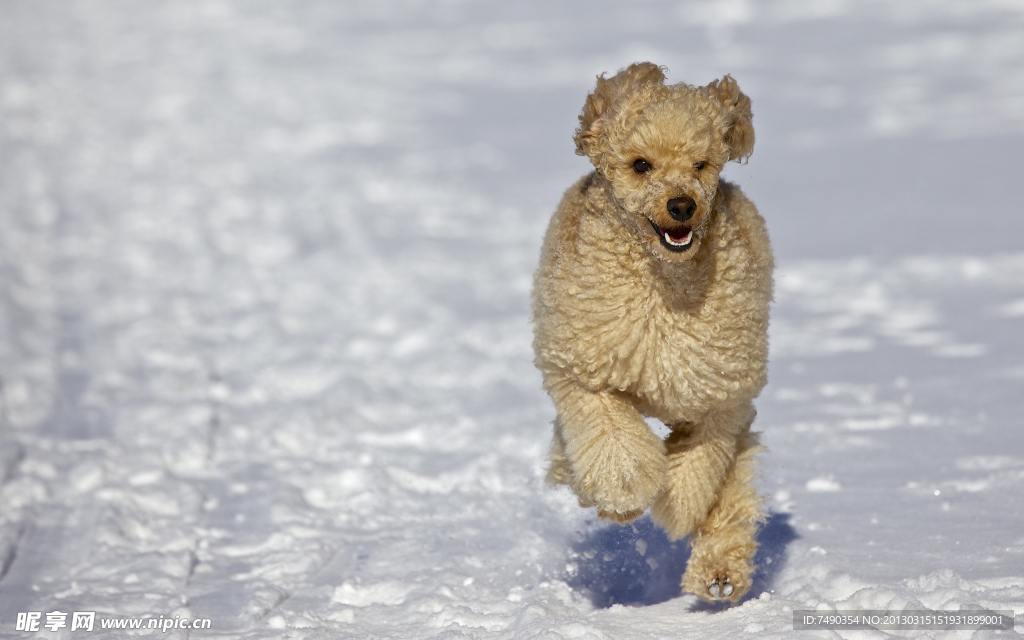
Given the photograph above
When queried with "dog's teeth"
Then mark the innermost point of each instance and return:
(685, 240)
(727, 588)
(713, 589)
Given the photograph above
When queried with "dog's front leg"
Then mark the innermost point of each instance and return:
(699, 456)
(618, 464)
(721, 563)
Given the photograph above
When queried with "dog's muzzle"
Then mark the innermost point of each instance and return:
(677, 238)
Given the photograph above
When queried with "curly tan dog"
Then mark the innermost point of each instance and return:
(651, 299)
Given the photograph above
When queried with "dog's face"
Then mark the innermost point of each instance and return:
(662, 149)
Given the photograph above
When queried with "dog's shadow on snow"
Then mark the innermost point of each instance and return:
(637, 565)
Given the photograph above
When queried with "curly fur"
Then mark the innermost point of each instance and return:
(642, 310)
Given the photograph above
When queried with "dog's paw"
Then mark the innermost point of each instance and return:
(621, 518)
(720, 587)
(719, 581)
(619, 487)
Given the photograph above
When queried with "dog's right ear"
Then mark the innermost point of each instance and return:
(606, 96)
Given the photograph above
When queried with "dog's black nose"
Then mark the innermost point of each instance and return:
(681, 209)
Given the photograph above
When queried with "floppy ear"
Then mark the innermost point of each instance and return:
(740, 134)
(606, 96)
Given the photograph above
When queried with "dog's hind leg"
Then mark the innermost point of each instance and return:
(617, 463)
(721, 563)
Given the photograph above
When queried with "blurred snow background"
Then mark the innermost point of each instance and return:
(264, 341)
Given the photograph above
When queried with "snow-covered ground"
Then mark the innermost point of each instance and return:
(264, 340)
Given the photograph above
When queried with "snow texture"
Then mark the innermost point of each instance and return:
(264, 314)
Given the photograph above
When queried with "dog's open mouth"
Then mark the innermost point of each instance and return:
(678, 239)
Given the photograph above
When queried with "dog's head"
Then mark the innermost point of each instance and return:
(662, 148)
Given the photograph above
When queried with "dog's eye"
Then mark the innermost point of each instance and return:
(641, 166)
(698, 165)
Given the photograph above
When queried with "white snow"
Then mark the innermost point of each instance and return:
(264, 314)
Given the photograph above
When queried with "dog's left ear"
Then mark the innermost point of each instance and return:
(740, 134)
